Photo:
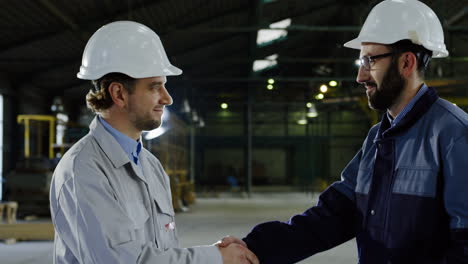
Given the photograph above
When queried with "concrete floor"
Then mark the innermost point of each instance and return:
(208, 221)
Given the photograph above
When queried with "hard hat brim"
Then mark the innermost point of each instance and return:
(169, 70)
(440, 52)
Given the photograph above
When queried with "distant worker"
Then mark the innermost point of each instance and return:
(110, 197)
(404, 195)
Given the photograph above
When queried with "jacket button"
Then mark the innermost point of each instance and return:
(372, 212)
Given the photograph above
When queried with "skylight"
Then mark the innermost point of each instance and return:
(268, 63)
(268, 36)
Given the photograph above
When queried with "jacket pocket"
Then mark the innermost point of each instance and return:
(416, 181)
(135, 230)
(167, 226)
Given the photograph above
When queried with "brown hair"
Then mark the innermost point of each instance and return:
(422, 54)
(98, 98)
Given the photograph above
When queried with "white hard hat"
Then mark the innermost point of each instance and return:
(394, 20)
(125, 47)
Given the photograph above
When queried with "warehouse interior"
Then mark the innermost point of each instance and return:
(267, 102)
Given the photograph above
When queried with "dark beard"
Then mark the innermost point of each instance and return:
(390, 89)
(142, 123)
(147, 125)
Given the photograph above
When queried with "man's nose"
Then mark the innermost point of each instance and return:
(363, 75)
(166, 98)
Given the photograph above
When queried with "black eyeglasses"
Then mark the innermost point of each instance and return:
(366, 61)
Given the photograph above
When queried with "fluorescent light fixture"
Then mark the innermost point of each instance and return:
(260, 65)
(270, 87)
(309, 104)
(224, 106)
(319, 96)
(333, 83)
(268, 36)
(271, 81)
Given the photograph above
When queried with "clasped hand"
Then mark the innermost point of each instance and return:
(235, 251)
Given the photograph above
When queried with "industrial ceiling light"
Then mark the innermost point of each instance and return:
(302, 121)
(270, 87)
(323, 88)
(224, 106)
(319, 96)
(333, 83)
(312, 111)
(271, 81)
(309, 104)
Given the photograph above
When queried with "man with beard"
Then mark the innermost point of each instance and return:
(403, 196)
(110, 197)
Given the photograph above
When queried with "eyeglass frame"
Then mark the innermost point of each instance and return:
(371, 59)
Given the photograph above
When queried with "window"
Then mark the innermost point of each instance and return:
(1, 147)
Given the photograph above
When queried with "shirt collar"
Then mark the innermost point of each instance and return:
(130, 146)
(408, 107)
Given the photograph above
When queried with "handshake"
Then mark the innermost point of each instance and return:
(234, 251)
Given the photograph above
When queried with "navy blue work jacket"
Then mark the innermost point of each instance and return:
(404, 196)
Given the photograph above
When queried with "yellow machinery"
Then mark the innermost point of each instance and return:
(29, 182)
(26, 119)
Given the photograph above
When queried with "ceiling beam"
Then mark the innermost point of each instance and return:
(82, 28)
(300, 79)
(452, 20)
(60, 14)
(296, 27)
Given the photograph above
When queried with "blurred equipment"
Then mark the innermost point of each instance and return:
(29, 182)
(9, 209)
(172, 150)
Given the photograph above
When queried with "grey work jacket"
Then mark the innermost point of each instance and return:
(106, 210)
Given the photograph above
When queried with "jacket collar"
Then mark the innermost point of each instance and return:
(108, 144)
(419, 109)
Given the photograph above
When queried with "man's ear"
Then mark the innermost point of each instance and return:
(408, 64)
(118, 94)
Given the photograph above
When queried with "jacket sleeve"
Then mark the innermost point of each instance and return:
(455, 171)
(331, 222)
(96, 229)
